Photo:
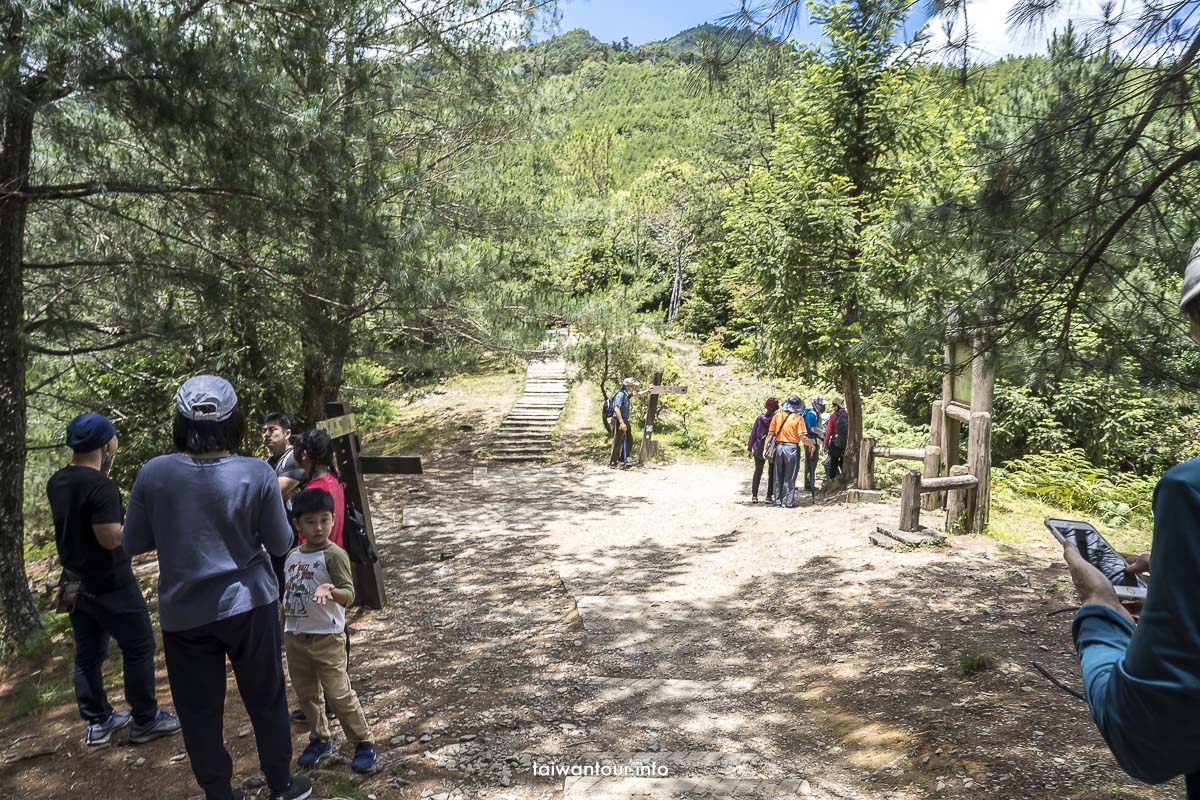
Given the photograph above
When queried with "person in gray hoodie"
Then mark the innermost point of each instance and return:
(209, 513)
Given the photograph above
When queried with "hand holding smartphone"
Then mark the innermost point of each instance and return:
(1100, 554)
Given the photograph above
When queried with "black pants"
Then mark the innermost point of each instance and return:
(835, 461)
(120, 615)
(758, 471)
(196, 670)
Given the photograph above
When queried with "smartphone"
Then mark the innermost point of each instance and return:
(1100, 554)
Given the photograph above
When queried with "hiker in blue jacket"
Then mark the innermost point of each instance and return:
(1143, 684)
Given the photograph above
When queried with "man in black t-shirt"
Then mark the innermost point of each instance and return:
(87, 511)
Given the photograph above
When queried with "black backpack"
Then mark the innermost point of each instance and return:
(355, 540)
(608, 409)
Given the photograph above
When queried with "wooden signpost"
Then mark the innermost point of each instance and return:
(352, 466)
(968, 388)
(649, 447)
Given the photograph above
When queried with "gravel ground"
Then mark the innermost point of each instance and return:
(571, 615)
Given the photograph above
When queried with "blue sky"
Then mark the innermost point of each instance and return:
(641, 20)
(651, 20)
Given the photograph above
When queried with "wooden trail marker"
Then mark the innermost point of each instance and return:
(650, 447)
(369, 589)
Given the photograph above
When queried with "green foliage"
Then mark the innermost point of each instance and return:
(607, 344)
(1114, 423)
(884, 423)
(1067, 480)
(712, 352)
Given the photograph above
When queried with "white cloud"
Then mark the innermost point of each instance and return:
(992, 35)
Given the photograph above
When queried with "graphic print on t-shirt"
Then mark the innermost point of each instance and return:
(300, 586)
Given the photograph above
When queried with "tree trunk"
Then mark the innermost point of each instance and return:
(676, 292)
(19, 617)
(854, 412)
(316, 379)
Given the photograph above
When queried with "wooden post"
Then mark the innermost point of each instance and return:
(648, 450)
(910, 501)
(368, 578)
(932, 468)
(950, 429)
(866, 465)
(983, 373)
(956, 502)
(937, 420)
(979, 462)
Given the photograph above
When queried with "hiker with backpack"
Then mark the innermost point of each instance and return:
(837, 429)
(812, 443)
(621, 407)
(783, 445)
(758, 435)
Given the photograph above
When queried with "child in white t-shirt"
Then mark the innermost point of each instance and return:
(318, 587)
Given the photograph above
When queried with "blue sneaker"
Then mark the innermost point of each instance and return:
(314, 754)
(163, 724)
(101, 732)
(364, 757)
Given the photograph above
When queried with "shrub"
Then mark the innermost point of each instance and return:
(712, 352)
(1067, 480)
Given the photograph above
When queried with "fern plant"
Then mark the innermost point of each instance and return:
(1067, 479)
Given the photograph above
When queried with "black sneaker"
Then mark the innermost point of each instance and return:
(163, 724)
(299, 716)
(300, 789)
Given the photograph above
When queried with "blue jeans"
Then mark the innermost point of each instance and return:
(121, 615)
(787, 466)
(811, 457)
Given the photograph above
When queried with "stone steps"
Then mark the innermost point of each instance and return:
(527, 432)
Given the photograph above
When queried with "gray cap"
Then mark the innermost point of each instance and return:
(1191, 277)
(206, 398)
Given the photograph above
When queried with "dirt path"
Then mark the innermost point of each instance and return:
(569, 615)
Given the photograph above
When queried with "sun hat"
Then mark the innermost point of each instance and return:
(1191, 277)
(206, 398)
(838, 401)
(819, 400)
(630, 382)
(793, 404)
(772, 404)
(89, 432)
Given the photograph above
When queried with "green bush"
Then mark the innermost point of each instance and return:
(1114, 424)
(1067, 480)
(887, 426)
(712, 352)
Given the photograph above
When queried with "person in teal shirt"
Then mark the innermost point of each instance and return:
(1142, 683)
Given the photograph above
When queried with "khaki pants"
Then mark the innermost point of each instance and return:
(620, 450)
(317, 666)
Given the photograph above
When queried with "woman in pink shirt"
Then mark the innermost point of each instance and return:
(314, 454)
